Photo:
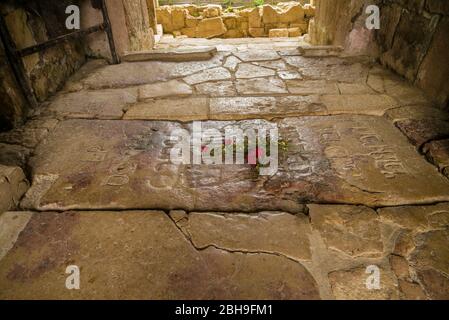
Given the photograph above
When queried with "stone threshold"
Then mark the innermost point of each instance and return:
(184, 54)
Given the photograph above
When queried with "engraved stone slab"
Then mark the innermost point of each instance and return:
(126, 164)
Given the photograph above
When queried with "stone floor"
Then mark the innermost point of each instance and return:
(362, 186)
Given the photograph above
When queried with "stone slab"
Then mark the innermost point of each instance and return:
(139, 255)
(182, 109)
(265, 86)
(126, 164)
(99, 104)
(179, 54)
(240, 108)
(358, 103)
(352, 230)
(270, 232)
(164, 89)
(248, 71)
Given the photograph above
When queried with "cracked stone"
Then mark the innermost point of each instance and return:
(29, 135)
(143, 249)
(435, 284)
(231, 63)
(353, 230)
(399, 265)
(277, 65)
(431, 261)
(208, 75)
(257, 55)
(351, 284)
(411, 290)
(306, 87)
(100, 104)
(217, 89)
(260, 86)
(164, 89)
(170, 109)
(423, 130)
(138, 73)
(248, 71)
(272, 232)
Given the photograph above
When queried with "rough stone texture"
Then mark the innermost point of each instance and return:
(13, 185)
(164, 89)
(278, 33)
(219, 88)
(352, 230)
(271, 85)
(307, 87)
(47, 69)
(179, 54)
(153, 254)
(99, 104)
(236, 22)
(416, 112)
(269, 232)
(426, 228)
(186, 109)
(417, 49)
(261, 55)
(306, 232)
(350, 285)
(247, 71)
(11, 224)
(365, 104)
(14, 155)
(211, 27)
(13, 103)
(208, 75)
(421, 131)
(342, 23)
(138, 73)
(437, 152)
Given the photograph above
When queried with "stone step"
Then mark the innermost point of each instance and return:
(177, 55)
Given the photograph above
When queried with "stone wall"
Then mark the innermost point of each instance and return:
(414, 42)
(29, 23)
(283, 20)
(342, 23)
(12, 102)
(131, 24)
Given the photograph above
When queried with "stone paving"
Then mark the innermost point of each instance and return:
(362, 184)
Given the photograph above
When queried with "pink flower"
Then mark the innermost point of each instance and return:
(204, 149)
(254, 154)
